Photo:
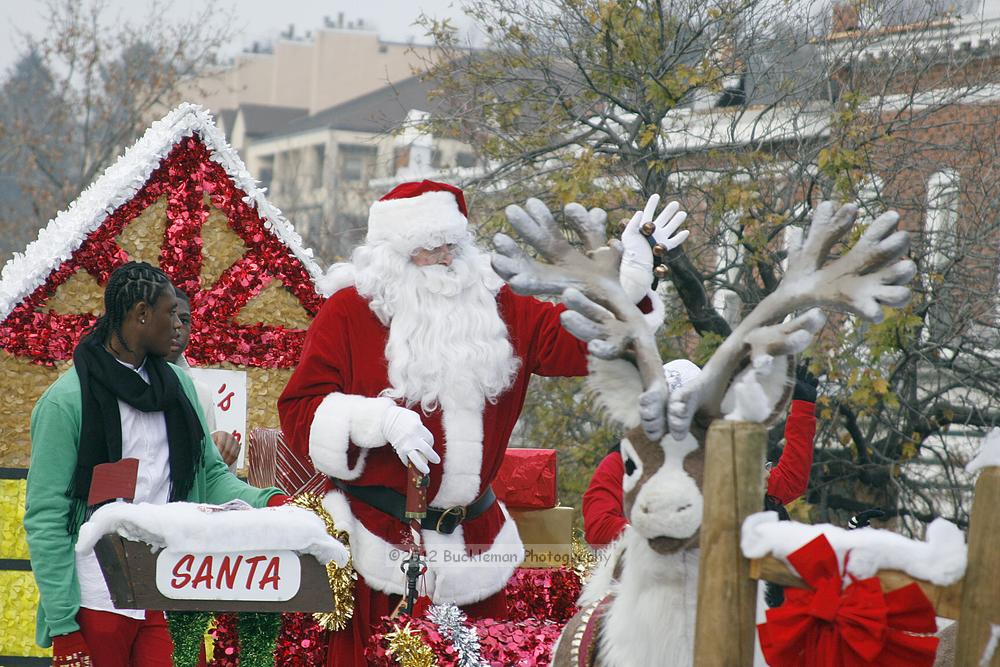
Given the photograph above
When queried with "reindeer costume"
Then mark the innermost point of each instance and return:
(651, 619)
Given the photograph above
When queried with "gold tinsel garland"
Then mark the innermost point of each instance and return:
(274, 306)
(81, 293)
(142, 238)
(408, 648)
(341, 579)
(221, 246)
(21, 385)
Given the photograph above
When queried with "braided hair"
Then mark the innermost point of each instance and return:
(128, 285)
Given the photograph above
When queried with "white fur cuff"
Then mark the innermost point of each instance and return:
(340, 420)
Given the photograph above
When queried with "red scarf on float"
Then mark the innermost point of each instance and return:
(827, 625)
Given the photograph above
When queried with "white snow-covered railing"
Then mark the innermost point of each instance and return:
(937, 565)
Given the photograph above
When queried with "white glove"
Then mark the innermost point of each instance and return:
(636, 272)
(412, 441)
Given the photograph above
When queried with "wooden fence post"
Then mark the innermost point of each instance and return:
(733, 489)
(981, 590)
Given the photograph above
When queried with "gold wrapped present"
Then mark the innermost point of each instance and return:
(547, 536)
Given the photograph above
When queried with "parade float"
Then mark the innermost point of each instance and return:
(180, 198)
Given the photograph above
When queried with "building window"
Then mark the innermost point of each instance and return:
(357, 163)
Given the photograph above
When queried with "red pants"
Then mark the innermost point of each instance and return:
(347, 647)
(119, 641)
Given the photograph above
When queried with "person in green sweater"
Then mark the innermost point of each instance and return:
(120, 400)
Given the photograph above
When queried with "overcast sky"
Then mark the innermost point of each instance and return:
(264, 19)
(261, 19)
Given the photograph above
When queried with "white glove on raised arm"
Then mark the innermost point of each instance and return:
(412, 441)
(636, 272)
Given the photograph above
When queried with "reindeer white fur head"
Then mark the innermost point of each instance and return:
(662, 482)
(662, 486)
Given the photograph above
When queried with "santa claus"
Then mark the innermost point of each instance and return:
(422, 355)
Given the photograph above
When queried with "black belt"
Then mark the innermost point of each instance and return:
(393, 503)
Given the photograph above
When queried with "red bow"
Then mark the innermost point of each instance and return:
(827, 625)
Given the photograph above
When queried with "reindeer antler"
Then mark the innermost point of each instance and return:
(600, 311)
(869, 276)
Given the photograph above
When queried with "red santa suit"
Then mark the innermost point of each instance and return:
(332, 412)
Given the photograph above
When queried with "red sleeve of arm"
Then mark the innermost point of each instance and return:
(552, 351)
(790, 476)
(317, 374)
(603, 515)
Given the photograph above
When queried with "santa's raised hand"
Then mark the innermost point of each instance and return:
(637, 256)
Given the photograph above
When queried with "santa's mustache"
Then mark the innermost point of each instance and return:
(446, 281)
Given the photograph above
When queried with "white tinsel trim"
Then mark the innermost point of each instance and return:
(451, 624)
(65, 233)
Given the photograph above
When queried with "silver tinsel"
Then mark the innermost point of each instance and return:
(451, 624)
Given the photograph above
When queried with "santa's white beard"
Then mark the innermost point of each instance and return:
(446, 338)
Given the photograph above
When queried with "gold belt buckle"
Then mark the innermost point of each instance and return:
(459, 510)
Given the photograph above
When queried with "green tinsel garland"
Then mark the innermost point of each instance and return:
(187, 629)
(258, 634)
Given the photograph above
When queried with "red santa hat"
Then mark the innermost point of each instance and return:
(419, 214)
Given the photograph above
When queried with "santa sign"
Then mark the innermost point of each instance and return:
(259, 576)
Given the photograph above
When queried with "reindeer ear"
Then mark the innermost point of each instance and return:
(616, 386)
(761, 391)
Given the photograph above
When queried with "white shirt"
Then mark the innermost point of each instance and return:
(204, 394)
(144, 437)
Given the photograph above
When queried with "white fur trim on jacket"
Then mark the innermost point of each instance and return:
(451, 577)
(336, 278)
(463, 457)
(411, 220)
(339, 420)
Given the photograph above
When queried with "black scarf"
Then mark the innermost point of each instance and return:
(103, 381)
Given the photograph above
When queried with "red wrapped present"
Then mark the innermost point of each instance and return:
(527, 479)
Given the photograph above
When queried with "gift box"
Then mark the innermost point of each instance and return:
(547, 536)
(527, 479)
